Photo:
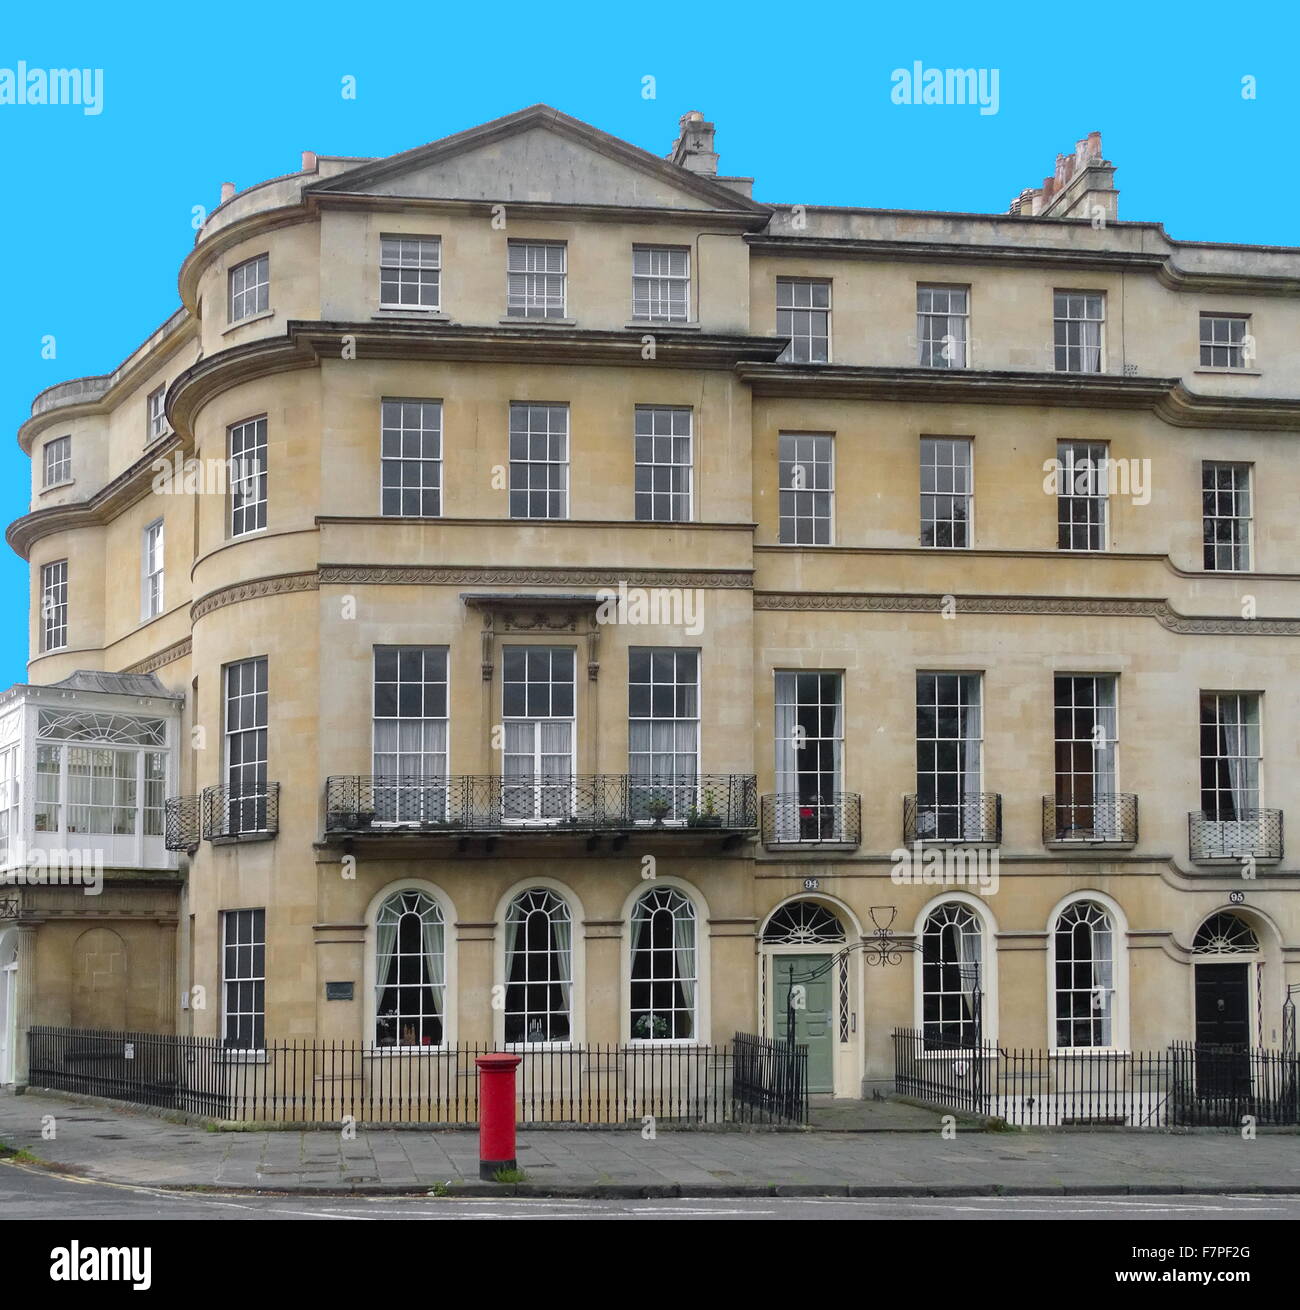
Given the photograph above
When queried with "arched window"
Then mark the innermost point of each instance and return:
(539, 968)
(410, 971)
(951, 954)
(1085, 975)
(799, 923)
(663, 967)
(1225, 934)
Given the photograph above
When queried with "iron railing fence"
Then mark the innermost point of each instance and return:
(322, 1082)
(376, 803)
(788, 818)
(975, 818)
(1184, 1085)
(183, 822)
(234, 813)
(769, 1079)
(1105, 817)
(1248, 833)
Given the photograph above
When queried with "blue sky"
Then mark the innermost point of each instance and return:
(96, 212)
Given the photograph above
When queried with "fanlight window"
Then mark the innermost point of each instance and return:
(539, 968)
(803, 923)
(115, 729)
(410, 971)
(663, 967)
(951, 951)
(1085, 955)
(1225, 934)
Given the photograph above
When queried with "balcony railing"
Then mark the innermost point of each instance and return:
(1255, 834)
(1109, 818)
(469, 803)
(182, 823)
(974, 818)
(834, 819)
(241, 813)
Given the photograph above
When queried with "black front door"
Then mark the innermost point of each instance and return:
(1223, 1030)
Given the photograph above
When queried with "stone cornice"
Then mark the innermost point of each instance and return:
(169, 655)
(1068, 258)
(280, 584)
(104, 506)
(460, 575)
(1168, 398)
(1066, 606)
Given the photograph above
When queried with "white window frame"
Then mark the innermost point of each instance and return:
(246, 449)
(229, 919)
(57, 465)
(1222, 336)
(930, 346)
(376, 985)
(409, 253)
(987, 933)
(519, 911)
(970, 776)
(235, 693)
(156, 415)
(152, 570)
(679, 789)
(530, 289)
(794, 748)
(1064, 315)
(1097, 477)
(395, 435)
(543, 793)
(249, 288)
(393, 801)
(1243, 478)
(1103, 753)
(786, 487)
(800, 316)
(700, 962)
(655, 288)
(524, 470)
(930, 499)
(1119, 988)
(54, 605)
(656, 428)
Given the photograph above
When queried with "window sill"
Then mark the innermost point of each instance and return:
(412, 311)
(1101, 1052)
(668, 324)
(1230, 372)
(244, 322)
(58, 486)
(525, 1048)
(989, 1052)
(1090, 844)
(150, 442)
(1234, 861)
(242, 1056)
(397, 1052)
(536, 320)
(664, 1041)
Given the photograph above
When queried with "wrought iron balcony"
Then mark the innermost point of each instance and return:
(831, 819)
(380, 804)
(1254, 834)
(241, 813)
(182, 823)
(976, 818)
(1108, 819)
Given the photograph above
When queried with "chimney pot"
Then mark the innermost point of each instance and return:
(227, 191)
(308, 161)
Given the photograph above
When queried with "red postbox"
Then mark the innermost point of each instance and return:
(496, 1114)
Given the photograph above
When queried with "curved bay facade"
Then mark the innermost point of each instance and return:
(579, 600)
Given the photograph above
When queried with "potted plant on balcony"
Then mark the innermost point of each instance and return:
(657, 807)
(703, 816)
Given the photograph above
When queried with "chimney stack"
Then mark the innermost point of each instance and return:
(693, 148)
(1082, 186)
(227, 191)
(308, 161)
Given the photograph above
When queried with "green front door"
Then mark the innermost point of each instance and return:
(814, 1022)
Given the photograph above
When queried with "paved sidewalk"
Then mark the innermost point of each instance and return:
(112, 1144)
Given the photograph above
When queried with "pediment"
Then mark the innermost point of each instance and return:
(538, 156)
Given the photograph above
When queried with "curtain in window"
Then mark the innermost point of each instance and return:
(970, 760)
(562, 946)
(1105, 819)
(684, 953)
(971, 957)
(787, 781)
(1103, 965)
(434, 959)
